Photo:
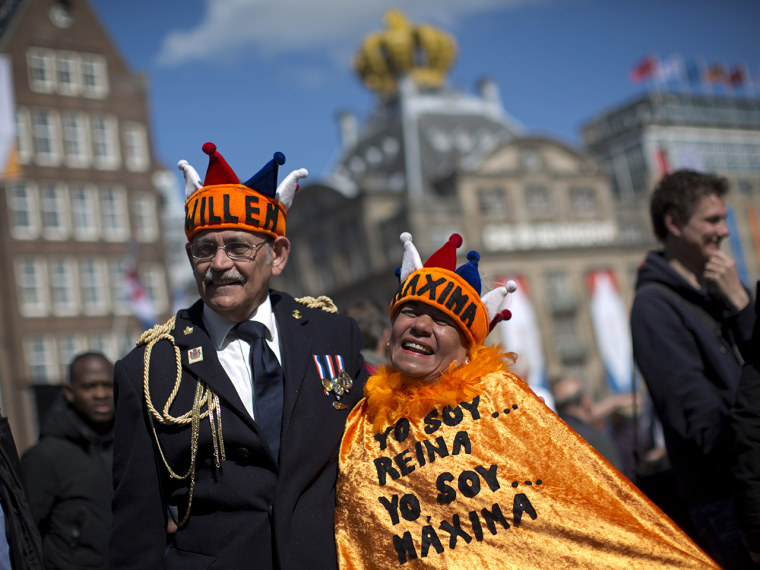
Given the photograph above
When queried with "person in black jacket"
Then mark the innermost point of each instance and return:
(745, 418)
(68, 473)
(248, 461)
(690, 319)
(20, 543)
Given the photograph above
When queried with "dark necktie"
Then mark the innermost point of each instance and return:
(267, 383)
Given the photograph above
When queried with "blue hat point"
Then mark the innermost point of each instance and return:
(265, 180)
(469, 271)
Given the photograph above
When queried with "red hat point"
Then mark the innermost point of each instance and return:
(218, 172)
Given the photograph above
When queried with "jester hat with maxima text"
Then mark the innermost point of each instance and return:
(455, 291)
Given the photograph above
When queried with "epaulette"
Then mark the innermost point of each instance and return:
(322, 302)
(157, 331)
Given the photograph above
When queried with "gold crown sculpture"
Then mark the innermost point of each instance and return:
(421, 52)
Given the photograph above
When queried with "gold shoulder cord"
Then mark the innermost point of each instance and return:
(204, 396)
(322, 302)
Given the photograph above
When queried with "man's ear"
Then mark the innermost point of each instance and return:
(672, 225)
(189, 255)
(280, 253)
(68, 393)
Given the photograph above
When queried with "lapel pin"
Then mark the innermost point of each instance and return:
(195, 355)
(339, 405)
(296, 314)
(188, 330)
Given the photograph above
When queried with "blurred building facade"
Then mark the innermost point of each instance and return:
(662, 131)
(433, 161)
(82, 242)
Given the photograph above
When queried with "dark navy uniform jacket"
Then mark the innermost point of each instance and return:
(249, 512)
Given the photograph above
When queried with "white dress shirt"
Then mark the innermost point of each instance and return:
(233, 352)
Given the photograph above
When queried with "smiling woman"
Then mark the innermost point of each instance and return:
(424, 342)
(449, 445)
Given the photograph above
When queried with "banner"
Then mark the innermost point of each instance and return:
(737, 249)
(9, 167)
(609, 318)
(521, 335)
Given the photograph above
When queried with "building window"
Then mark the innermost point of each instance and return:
(119, 303)
(94, 76)
(538, 200)
(41, 361)
(63, 286)
(67, 73)
(22, 210)
(114, 219)
(84, 212)
(54, 210)
(320, 258)
(559, 292)
(135, 147)
(105, 144)
(153, 279)
(583, 200)
(104, 344)
(45, 137)
(569, 346)
(93, 286)
(23, 136)
(69, 346)
(76, 140)
(493, 201)
(40, 64)
(144, 211)
(31, 280)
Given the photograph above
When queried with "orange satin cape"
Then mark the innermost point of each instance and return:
(495, 480)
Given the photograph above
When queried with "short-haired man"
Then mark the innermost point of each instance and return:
(231, 414)
(68, 473)
(690, 317)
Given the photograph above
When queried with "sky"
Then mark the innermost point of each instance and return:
(257, 77)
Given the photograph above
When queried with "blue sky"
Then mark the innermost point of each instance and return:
(255, 77)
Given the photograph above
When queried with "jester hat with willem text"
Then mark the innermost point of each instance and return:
(221, 202)
(455, 291)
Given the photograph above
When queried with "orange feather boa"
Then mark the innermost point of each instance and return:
(391, 395)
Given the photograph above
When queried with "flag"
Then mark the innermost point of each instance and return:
(9, 165)
(522, 336)
(609, 318)
(736, 76)
(663, 165)
(735, 240)
(643, 69)
(694, 73)
(138, 299)
(716, 73)
(670, 69)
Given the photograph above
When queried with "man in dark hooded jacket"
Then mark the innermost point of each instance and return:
(68, 473)
(690, 320)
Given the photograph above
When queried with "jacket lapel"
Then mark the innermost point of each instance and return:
(199, 359)
(295, 349)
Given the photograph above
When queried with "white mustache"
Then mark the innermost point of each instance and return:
(227, 277)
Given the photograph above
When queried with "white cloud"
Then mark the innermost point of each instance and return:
(233, 27)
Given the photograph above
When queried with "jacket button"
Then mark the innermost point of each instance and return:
(243, 453)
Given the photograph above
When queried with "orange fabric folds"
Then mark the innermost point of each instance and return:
(497, 481)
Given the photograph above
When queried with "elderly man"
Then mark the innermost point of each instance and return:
(690, 319)
(229, 416)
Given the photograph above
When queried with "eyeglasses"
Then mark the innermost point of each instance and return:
(236, 250)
